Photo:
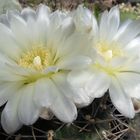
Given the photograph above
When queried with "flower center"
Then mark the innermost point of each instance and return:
(37, 58)
(109, 50)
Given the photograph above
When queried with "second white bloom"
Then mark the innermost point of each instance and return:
(115, 65)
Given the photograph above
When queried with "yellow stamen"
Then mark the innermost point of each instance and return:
(109, 50)
(37, 58)
(37, 61)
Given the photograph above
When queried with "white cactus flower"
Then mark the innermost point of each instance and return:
(37, 50)
(115, 65)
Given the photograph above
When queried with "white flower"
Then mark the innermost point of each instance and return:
(37, 50)
(115, 65)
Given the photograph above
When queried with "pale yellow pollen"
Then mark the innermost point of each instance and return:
(37, 61)
(109, 50)
(37, 58)
(108, 54)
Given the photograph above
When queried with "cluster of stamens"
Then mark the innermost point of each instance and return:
(37, 58)
(108, 51)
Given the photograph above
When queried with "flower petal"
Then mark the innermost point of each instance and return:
(67, 27)
(43, 12)
(98, 84)
(19, 28)
(28, 14)
(79, 43)
(4, 20)
(133, 47)
(9, 118)
(131, 83)
(43, 21)
(103, 28)
(120, 99)
(43, 96)
(56, 18)
(89, 83)
(7, 91)
(62, 108)
(27, 111)
(74, 62)
(74, 93)
(127, 32)
(8, 43)
(84, 20)
(113, 21)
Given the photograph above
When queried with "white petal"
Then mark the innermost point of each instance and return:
(79, 78)
(8, 43)
(20, 30)
(67, 27)
(43, 96)
(9, 118)
(123, 28)
(74, 62)
(84, 20)
(79, 96)
(127, 32)
(83, 14)
(119, 62)
(56, 18)
(27, 111)
(13, 73)
(131, 83)
(98, 84)
(74, 93)
(95, 28)
(113, 21)
(4, 59)
(133, 65)
(103, 25)
(28, 14)
(31, 18)
(7, 76)
(12, 13)
(43, 21)
(133, 46)
(89, 83)
(43, 12)
(121, 101)
(7, 91)
(74, 45)
(4, 20)
(62, 108)
(17, 71)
